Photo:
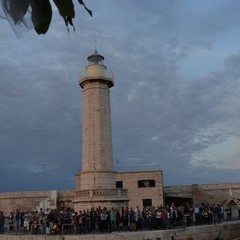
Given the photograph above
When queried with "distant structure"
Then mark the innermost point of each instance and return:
(96, 183)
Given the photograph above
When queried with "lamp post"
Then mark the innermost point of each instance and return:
(43, 187)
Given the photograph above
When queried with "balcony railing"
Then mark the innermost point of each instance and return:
(101, 193)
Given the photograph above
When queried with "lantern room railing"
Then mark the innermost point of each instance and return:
(107, 74)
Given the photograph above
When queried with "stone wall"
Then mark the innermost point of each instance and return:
(181, 191)
(35, 200)
(65, 199)
(212, 193)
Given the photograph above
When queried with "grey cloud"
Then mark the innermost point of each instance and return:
(158, 116)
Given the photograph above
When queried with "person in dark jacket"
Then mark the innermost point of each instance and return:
(2, 222)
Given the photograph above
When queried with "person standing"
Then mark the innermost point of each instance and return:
(104, 220)
(17, 220)
(164, 218)
(197, 215)
(27, 220)
(132, 220)
(118, 219)
(113, 220)
(229, 212)
(93, 219)
(158, 217)
(219, 213)
(2, 222)
(138, 216)
(21, 219)
(125, 218)
(11, 222)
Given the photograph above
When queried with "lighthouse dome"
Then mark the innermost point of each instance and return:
(95, 58)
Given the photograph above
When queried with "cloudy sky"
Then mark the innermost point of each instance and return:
(175, 103)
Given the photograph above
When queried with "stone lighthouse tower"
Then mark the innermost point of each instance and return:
(96, 183)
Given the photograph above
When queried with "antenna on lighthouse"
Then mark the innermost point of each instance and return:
(95, 45)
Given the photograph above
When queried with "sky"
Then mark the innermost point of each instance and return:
(175, 104)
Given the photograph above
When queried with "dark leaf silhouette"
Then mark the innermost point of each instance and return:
(89, 11)
(41, 15)
(66, 10)
(18, 9)
(41, 12)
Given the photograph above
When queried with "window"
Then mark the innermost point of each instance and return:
(119, 184)
(146, 183)
(147, 202)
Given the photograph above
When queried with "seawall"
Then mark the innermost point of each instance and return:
(223, 231)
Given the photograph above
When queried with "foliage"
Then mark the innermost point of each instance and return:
(41, 12)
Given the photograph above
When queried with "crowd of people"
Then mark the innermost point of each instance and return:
(105, 220)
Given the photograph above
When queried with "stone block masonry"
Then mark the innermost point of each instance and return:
(136, 193)
(24, 201)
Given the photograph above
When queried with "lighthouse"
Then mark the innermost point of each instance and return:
(96, 182)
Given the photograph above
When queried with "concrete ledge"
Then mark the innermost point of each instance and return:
(224, 231)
